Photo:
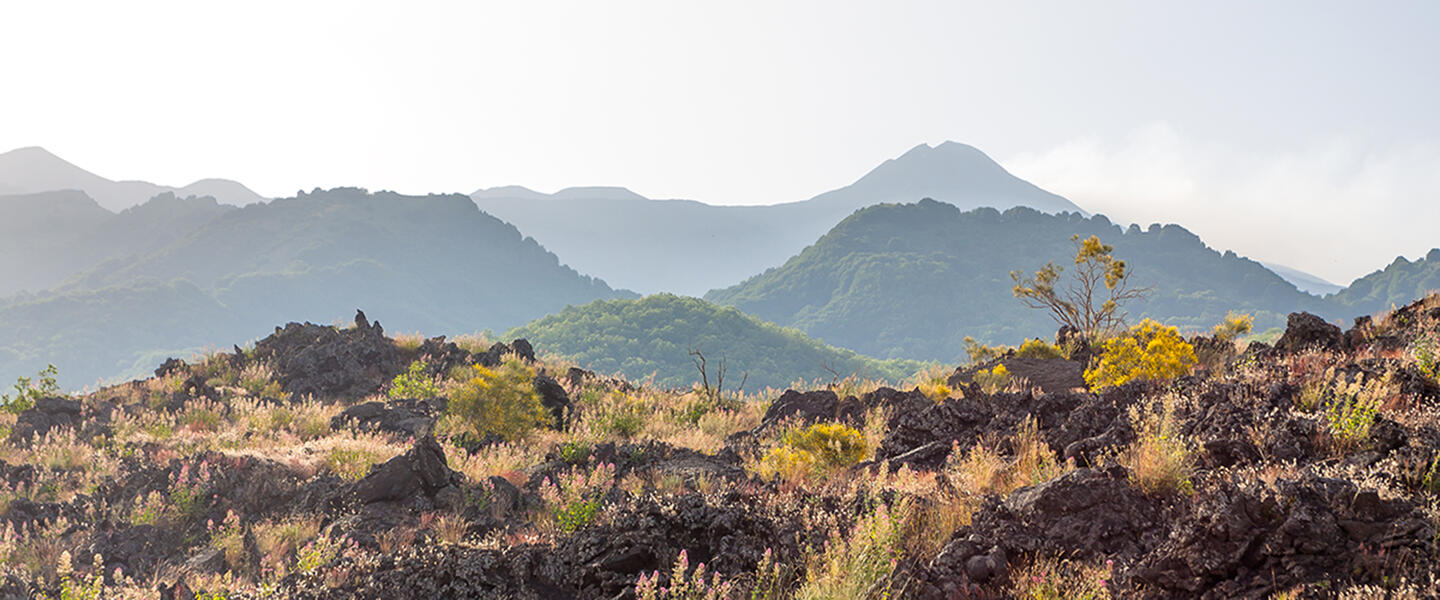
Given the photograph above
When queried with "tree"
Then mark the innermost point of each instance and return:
(1092, 302)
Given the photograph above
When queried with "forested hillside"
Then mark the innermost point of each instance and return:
(655, 335)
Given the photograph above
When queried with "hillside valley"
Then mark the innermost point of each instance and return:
(687, 247)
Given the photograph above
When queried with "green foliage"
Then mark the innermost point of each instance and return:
(1039, 349)
(1150, 351)
(26, 393)
(416, 382)
(1350, 416)
(655, 335)
(577, 514)
(500, 400)
(1423, 352)
(954, 266)
(1396, 285)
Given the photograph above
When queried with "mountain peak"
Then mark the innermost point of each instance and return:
(598, 192)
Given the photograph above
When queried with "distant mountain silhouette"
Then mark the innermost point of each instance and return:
(912, 280)
(689, 247)
(1312, 284)
(34, 169)
(48, 237)
(434, 264)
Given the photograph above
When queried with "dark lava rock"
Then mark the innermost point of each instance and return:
(1255, 541)
(134, 550)
(48, 414)
(729, 534)
(1085, 513)
(420, 470)
(379, 416)
(319, 360)
(520, 348)
(1304, 330)
(441, 356)
(554, 398)
(171, 365)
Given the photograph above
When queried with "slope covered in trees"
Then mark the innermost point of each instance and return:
(655, 335)
(1396, 285)
(429, 263)
(912, 280)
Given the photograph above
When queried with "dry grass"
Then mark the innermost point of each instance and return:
(1160, 459)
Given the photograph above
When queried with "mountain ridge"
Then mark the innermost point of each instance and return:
(33, 169)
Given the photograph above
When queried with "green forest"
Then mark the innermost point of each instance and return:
(654, 336)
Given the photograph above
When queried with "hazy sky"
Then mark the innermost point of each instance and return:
(1297, 132)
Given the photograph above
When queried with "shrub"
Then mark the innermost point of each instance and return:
(1038, 348)
(980, 353)
(1150, 351)
(1234, 326)
(572, 501)
(1423, 352)
(993, 380)
(26, 393)
(81, 588)
(415, 382)
(817, 449)
(500, 400)
(933, 381)
(1352, 411)
(851, 565)
(1160, 459)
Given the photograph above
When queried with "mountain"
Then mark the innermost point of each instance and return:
(654, 336)
(34, 169)
(1308, 283)
(418, 263)
(47, 237)
(1398, 284)
(912, 280)
(689, 247)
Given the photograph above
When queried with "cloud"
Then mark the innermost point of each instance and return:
(1337, 209)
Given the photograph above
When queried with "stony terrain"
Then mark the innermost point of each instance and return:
(331, 462)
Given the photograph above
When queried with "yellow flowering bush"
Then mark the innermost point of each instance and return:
(501, 400)
(1038, 348)
(993, 380)
(1148, 351)
(818, 448)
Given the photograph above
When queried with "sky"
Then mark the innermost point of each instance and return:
(1301, 133)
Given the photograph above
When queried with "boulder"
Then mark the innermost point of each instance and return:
(419, 471)
(379, 416)
(553, 397)
(322, 361)
(1304, 330)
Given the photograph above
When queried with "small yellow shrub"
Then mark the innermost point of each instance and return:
(1234, 326)
(994, 380)
(1038, 348)
(500, 400)
(819, 448)
(1149, 351)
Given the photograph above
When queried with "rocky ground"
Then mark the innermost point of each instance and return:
(297, 469)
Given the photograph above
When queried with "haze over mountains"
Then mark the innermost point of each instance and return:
(110, 294)
(688, 247)
(29, 170)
